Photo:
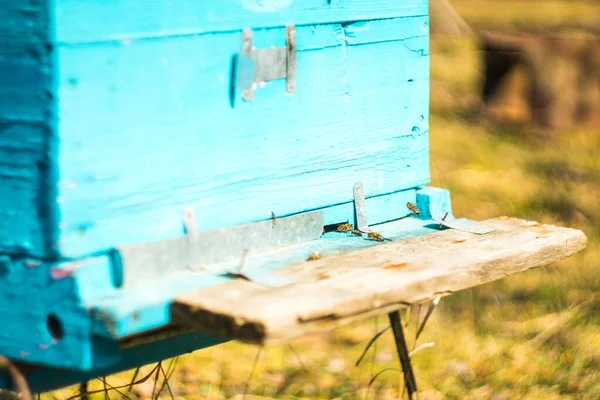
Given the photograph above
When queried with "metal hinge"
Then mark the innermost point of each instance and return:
(254, 66)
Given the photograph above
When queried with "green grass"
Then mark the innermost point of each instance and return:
(488, 341)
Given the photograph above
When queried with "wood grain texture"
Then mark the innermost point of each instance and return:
(147, 128)
(85, 21)
(26, 101)
(342, 288)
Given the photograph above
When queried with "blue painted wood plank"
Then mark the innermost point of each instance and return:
(25, 70)
(23, 23)
(86, 21)
(21, 156)
(29, 296)
(26, 100)
(147, 129)
(433, 201)
(42, 379)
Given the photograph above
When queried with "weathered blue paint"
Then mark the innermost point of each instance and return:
(29, 297)
(25, 127)
(176, 115)
(43, 379)
(433, 201)
(115, 115)
(278, 153)
(89, 21)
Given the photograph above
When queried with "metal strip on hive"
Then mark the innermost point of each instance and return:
(254, 66)
(462, 224)
(360, 209)
(147, 261)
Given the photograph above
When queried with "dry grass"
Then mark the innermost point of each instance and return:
(529, 14)
(491, 171)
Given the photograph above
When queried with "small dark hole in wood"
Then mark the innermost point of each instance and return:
(55, 327)
(116, 272)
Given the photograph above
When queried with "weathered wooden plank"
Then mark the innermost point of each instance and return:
(147, 129)
(103, 20)
(342, 288)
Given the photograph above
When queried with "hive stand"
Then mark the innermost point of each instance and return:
(264, 293)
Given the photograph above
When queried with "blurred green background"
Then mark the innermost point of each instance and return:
(530, 336)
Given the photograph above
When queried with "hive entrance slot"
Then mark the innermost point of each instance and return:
(333, 227)
(144, 262)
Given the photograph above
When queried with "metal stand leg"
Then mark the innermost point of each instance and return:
(83, 390)
(409, 376)
(18, 379)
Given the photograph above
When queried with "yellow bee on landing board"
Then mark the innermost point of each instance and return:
(413, 208)
(356, 232)
(375, 236)
(314, 256)
(344, 228)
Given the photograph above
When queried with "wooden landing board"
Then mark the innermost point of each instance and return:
(354, 285)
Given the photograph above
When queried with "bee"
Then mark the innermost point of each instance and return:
(314, 256)
(274, 219)
(344, 228)
(356, 232)
(413, 208)
(375, 236)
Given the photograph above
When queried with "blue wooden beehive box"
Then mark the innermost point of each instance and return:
(118, 116)
(143, 142)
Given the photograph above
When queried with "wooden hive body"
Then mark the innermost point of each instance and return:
(117, 116)
(121, 114)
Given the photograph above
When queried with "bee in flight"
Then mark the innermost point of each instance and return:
(413, 208)
(314, 256)
(344, 228)
(375, 236)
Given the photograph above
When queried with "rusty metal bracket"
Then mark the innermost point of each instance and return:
(256, 66)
